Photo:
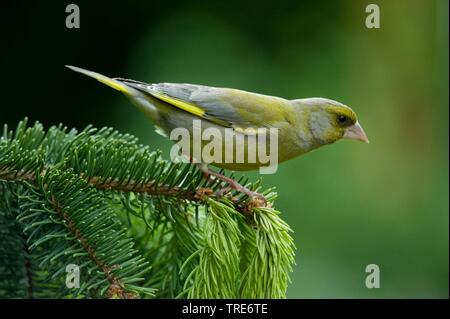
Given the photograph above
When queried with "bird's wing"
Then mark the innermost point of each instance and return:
(226, 107)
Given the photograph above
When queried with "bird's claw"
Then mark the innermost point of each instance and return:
(255, 199)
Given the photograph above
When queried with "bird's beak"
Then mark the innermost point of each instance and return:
(356, 132)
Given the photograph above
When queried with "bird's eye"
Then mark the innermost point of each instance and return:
(342, 119)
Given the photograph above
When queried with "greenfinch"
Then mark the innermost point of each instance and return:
(301, 125)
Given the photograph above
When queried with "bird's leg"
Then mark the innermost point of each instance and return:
(232, 184)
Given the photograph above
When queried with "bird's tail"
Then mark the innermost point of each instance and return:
(117, 85)
(141, 100)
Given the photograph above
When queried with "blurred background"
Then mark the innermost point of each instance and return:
(349, 204)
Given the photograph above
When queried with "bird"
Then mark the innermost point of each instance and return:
(301, 125)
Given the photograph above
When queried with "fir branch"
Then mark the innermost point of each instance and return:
(71, 214)
(150, 188)
(15, 278)
(216, 275)
(115, 285)
(268, 257)
(131, 220)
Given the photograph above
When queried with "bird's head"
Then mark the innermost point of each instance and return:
(328, 121)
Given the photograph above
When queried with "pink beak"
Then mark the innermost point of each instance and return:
(356, 132)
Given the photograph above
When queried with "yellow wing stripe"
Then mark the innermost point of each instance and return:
(186, 106)
(114, 84)
(117, 85)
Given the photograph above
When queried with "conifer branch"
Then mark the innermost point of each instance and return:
(115, 285)
(134, 223)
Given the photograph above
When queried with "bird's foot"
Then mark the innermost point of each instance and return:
(256, 199)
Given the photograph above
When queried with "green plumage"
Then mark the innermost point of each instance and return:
(303, 124)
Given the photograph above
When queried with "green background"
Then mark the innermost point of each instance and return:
(349, 204)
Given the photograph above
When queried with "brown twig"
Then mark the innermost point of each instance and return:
(116, 287)
(149, 188)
